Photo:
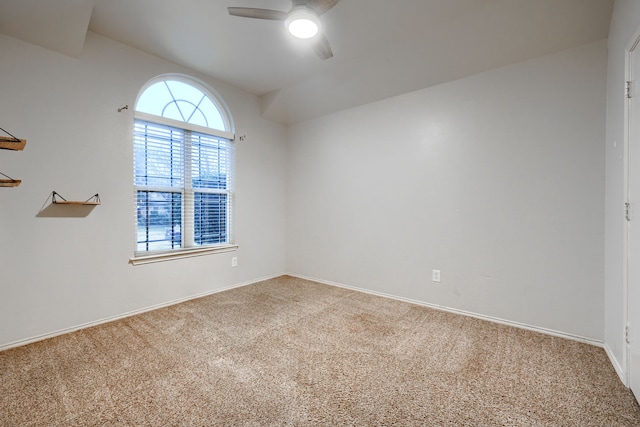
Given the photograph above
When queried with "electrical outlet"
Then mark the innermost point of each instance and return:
(234, 261)
(435, 276)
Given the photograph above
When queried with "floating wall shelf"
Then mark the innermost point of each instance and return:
(10, 143)
(9, 182)
(57, 199)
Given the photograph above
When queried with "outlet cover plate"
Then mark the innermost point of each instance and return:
(435, 276)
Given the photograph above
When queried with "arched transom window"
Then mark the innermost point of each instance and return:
(184, 167)
(177, 100)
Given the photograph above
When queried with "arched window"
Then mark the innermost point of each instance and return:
(184, 102)
(184, 169)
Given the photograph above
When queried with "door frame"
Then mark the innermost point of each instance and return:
(633, 47)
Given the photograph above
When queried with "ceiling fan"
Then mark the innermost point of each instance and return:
(302, 21)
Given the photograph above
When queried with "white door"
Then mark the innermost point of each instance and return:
(633, 262)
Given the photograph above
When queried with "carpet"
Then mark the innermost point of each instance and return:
(293, 352)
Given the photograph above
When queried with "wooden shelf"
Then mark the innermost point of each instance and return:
(57, 199)
(15, 144)
(75, 202)
(9, 182)
(8, 143)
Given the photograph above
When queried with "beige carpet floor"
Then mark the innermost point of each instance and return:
(293, 352)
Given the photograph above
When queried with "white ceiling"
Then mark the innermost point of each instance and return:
(381, 48)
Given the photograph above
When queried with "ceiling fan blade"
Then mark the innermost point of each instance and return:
(321, 6)
(322, 47)
(252, 12)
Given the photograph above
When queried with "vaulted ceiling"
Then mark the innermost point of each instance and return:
(381, 48)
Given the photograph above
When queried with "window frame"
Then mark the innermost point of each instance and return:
(145, 257)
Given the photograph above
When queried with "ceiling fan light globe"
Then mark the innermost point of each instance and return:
(303, 29)
(302, 23)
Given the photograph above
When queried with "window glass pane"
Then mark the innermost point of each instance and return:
(209, 162)
(210, 214)
(159, 220)
(211, 112)
(172, 111)
(184, 92)
(198, 118)
(158, 155)
(154, 99)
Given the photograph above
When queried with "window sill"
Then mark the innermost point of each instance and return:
(181, 253)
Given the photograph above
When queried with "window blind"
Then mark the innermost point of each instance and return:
(183, 187)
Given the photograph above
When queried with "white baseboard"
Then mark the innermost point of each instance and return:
(326, 282)
(125, 315)
(462, 312)
(616, 365)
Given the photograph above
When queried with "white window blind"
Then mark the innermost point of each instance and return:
(183, 188)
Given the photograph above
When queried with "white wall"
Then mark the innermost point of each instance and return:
(497, 180)
(624, 23)
(58, 273)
